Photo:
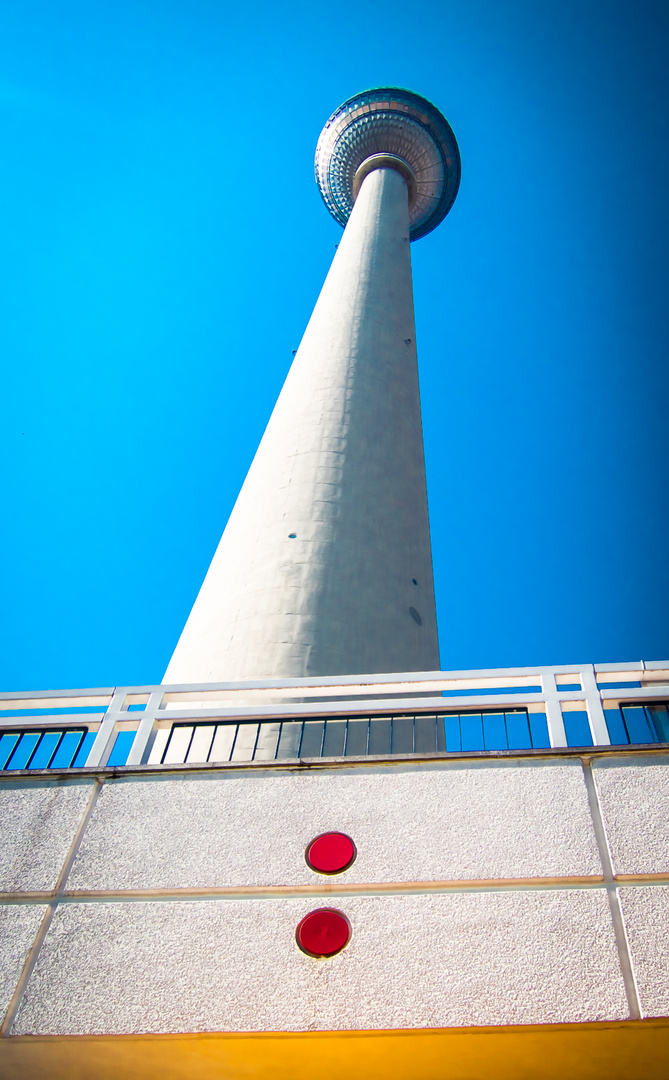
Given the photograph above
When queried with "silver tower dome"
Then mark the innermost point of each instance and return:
(393, 128)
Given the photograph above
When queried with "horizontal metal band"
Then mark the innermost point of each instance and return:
(385, 161)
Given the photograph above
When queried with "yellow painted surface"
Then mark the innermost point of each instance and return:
(630, 1050)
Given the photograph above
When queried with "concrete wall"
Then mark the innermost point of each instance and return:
(341, 467)
(482, 894)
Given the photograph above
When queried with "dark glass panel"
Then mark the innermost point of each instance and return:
(335, 736)
(312, 738)
(518, 731)
(178, 744)
(21, 755)
(379, 736)
(452, 733)
(245, 743)
(7, 744)
(45, 750)
(426, 734)
(471, 731)
(636, 722)
(402, 738)
(356, 738)
(290, 738)
(617, 730)
(268, 739)
(223, 743)
(494, 732)
(200, 744)
(84, 750)
(441, 737)
(67, 750)
(659, 718)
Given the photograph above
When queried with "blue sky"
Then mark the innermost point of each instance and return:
(163, 246)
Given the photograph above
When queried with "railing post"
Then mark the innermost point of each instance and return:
(593, 703)
(102, 747)
(556, 731)
(140, 745)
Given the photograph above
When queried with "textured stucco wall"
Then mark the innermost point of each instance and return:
(634, 796)
(646, 914)
(341, 467)
(37, 823)
(409, 823)
(428, 961)
(18, 926)
(449, 942)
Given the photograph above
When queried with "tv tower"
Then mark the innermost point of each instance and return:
(325, 566)
(290, 875)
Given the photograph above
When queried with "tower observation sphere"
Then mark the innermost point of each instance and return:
(392, 128)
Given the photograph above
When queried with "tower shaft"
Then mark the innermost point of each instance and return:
(341, 467)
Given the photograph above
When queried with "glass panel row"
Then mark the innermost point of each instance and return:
(638, 723)
(60, 749)
(354, 737)
(342, 737)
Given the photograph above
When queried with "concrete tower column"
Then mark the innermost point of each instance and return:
(325, 566)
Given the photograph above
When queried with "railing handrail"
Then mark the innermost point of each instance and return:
(634, 671)
(539, 688)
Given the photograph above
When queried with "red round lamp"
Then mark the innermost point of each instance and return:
(323, 933)
(330, 853)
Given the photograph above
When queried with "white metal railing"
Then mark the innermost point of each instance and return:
(552, 691)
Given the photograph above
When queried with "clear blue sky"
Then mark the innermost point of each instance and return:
(163, 246)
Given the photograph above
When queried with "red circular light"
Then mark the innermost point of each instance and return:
(330, 853)
(323, 932)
